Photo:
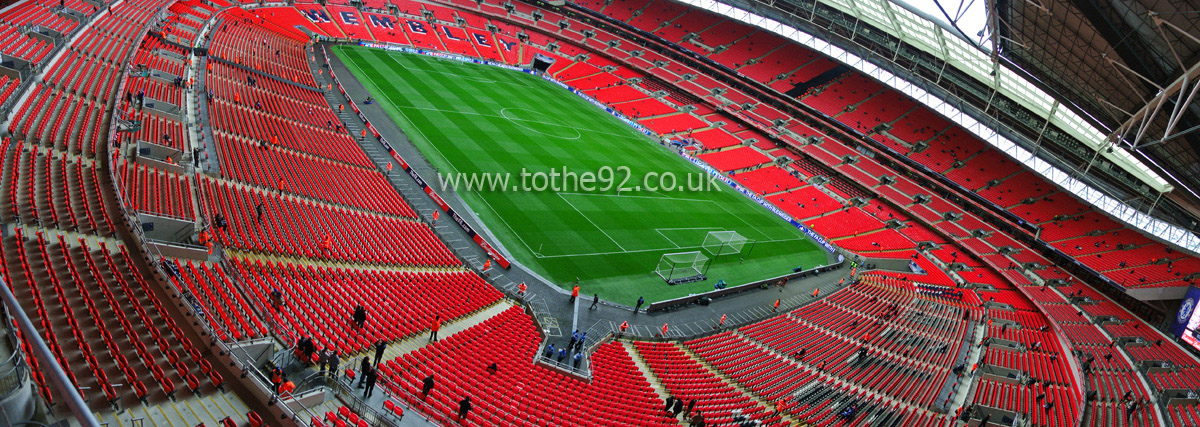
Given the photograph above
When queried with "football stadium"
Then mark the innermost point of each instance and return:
(600, 213)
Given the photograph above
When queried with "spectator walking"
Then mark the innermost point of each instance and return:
(359, 316)
(276, 298)
(308, 350)
(691, 405)
(595, 300)
(678, 408)
(258, 209)
(426, 386)
(370, 376)
(464, 408)
(364, 367)
(333, 364)
(639, 304)
(697, 420)
(670, 403)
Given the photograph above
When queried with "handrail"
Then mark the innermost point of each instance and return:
(57, 373)
(243, 360)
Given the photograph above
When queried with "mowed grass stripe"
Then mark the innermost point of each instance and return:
(468, 118)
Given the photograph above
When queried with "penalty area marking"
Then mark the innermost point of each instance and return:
(517, 121)
(659, 231)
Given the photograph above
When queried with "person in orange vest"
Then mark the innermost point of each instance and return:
(574, 294)
(203, 237)
(624, 327)
(521, 288)
(363, 134)
(277, 378)
(436, 214)
(487, 264)
(326, 243)
(286, 389)
(776, 307)
(816, 292)
(664, 330)
(722, 322)
(237, 98)
(433, 330)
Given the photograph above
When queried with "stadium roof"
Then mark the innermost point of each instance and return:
(1123, 61)
(947, 42)
(943, 40)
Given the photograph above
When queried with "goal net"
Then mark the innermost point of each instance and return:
(681, 267)
(724, 242)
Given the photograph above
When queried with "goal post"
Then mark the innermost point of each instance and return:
(718, 243)
(681, 267)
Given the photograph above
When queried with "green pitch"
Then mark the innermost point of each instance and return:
(475, 119)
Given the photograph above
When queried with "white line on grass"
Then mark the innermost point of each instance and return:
(501, 116)
(654, 249)
(443, 156)
(477, 78)
(592, 222)
(681, 199)
(659, 231)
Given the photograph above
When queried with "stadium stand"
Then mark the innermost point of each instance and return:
(893, 341)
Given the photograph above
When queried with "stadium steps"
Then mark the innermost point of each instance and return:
(290, 150)
(287, 194)
(755, 61)
(784, 75)
(419, 340)
(583, 77)
(572, 64)
(278, 259)
(999, 181)
(724, 47)
(851, 387)
(736, 385)
(963, 392)
(898, 140)
(901, 117)
(640, 363)
(195, 410)
(854, 106)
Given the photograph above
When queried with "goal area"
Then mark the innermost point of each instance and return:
(681, 267)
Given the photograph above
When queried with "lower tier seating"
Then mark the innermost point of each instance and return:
(520, 392)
